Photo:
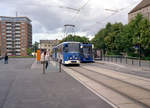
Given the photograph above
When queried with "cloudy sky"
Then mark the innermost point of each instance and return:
(49, 16)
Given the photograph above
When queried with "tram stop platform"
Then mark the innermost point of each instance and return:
(59, 90)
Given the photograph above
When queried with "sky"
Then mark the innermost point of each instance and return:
(49, 16)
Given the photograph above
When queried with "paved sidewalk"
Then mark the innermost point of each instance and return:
(25, 86)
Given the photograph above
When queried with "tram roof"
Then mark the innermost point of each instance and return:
(66, 43)
(70, 42)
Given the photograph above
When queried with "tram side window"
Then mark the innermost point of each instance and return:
(65, 48)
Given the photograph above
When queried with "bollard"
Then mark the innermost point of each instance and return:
(104, 57)
(111, 59)
(132, 61)
(140, 63)
(120, 59)
(60, 62)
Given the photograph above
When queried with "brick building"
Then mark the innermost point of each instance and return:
(143, 7)
(15, 35)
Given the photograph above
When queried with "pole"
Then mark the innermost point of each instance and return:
(44, 65)
(139, 55)
(60, 65)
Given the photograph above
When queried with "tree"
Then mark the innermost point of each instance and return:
(113, 39)
(98, 40)
(132, 39)
(35, 46)
(139, 30)
(29, 51)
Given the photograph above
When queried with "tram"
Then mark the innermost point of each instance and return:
(86, 52)
(67, 52)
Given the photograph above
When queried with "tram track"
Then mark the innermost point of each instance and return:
(133, 92)
(120, 74)
(123, 69)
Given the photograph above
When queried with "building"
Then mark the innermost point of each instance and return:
(48, 44)
(143, 7)
(15, 35)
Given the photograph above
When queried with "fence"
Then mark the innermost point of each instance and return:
(127, 60)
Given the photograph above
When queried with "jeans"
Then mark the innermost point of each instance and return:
(6, 62)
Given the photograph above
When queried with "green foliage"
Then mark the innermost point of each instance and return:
(35, 47)
(125, 39)
(76, 39)
(29, 51)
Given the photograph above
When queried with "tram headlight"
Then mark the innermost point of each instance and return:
(70, 58)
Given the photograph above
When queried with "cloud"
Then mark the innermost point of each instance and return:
(49, 16)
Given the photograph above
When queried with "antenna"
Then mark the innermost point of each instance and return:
(16, 14)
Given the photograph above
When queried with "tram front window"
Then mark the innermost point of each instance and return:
(73, 47)
(87, 50)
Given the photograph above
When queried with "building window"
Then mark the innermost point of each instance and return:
(3, 30)
(8, 31)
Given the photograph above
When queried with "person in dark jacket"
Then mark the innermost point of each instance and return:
(6, 59)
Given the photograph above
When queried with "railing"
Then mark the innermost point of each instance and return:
(127, 60)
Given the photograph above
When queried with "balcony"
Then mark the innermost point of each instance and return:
(17, 39)
(9, 42)
(8, 24)
(9, 39)
(9, 46)
(18, 47)
(18, 50)
(9, 31)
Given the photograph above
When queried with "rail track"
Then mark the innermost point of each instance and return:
(135, 93)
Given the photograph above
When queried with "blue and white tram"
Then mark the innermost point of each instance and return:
(86, 52)
(68, 52)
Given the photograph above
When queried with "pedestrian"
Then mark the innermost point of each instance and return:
(42, 58)
(6, 59)
(46, 59)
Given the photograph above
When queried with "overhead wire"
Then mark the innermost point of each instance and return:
(115, 13)
(118, 11)
(77, 16)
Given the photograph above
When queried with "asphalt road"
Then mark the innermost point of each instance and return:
(24, 87)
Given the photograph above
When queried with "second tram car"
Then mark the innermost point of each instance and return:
(86, 52)
(67, 52)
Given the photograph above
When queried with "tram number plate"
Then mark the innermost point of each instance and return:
(73, 61)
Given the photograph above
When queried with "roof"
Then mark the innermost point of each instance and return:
(142, 4)
(68, 42)
(14, 18)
